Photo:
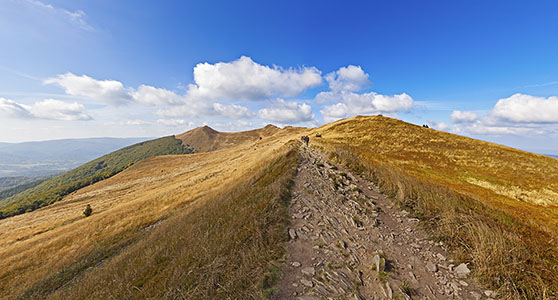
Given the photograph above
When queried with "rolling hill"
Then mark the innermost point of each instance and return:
(213, 224)
(42, 158)
(205, 139)
(52, 190)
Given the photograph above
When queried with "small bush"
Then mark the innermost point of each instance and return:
(88, 211)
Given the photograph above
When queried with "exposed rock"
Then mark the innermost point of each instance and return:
(295, 264)
(309, 271)
(440, 256)
(462, 271)
(463, 283)
(307, 283)
(389, 290)
(476, 295)
(489, 293)
(431, 267)
(307, 298)
(292, 234)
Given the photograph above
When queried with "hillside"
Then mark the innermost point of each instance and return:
(205, 139)
(54, 189)
(496, 206)
(56, 156)
(168, 214)
(260, 215)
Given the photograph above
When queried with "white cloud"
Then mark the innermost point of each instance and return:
(287, 112)
(174, 122)
(350, 78)
(368, 103)
(156, 96)
(76, 17)
(458, 116)
(108, 91)
(527, 109)
(46, 109)
(518, 114)
(59, 110)
(439, 126)
(232, 111)
(10, 108)
(244, 79)
(137, 122)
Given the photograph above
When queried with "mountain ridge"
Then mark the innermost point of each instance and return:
(477, 199)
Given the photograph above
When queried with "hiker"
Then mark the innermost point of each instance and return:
(306, 140)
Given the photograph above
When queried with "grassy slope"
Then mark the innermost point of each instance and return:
(21, 186)
(205, 139)
(463, 186)
(54, 189)
(226, 249)
(53, 246)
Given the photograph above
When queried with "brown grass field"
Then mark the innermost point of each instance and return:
(45, 250)
(496, 206)
(212, 225)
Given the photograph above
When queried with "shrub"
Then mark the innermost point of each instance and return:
(88, 210)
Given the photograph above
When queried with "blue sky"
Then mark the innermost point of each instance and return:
(485, 69)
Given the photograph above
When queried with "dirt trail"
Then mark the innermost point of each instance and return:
(348, 241)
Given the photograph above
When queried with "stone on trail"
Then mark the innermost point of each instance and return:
(431, 267)
(476, 295)
(440, 256)
(295, 264)
(309, 271)
(307, 283)
(292, 234)
(379, 262)
(462, 271)
(307, 298)
(389, 291)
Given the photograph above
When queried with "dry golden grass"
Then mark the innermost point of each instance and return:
(227, 248)
(495, 205)
(205, 139)
(43, 250)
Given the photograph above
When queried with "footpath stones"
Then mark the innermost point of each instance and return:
(462, 271)
(309, 271)
(431, 267)
(292, 234)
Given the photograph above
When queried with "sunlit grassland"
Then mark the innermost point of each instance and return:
(49, 249)
(496, 206)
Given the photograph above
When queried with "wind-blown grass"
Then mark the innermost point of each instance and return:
(54, 189)
(510, 239)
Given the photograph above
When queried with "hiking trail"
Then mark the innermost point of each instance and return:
(348, 241)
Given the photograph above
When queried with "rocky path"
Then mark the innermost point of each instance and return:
(348, 241)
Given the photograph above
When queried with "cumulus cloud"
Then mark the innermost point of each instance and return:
(46, 109)
(527, 109)
(350, 78)
(137, 122)
(156, 96)
(244, 79)
(232, 111)
(59, 110)
(287, 112)
(458, 116)
(518, 114)
(174, 122)
(439, 126)
(76, 18)
(10, 108)
(367, 103)
(108, 91)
